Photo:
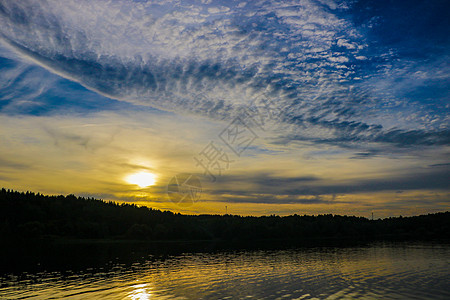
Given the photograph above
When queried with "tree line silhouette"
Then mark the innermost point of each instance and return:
(29, 216)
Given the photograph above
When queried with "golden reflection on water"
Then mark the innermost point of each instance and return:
(311, 273)
(140, 292)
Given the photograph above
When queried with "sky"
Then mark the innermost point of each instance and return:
(245, 107)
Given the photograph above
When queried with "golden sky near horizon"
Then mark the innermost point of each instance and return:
(95, 155)
(270, 109)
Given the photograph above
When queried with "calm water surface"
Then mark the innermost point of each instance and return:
(373, 271)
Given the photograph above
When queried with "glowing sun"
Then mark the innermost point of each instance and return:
(142, 179)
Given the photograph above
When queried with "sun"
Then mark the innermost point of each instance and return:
(142, 179)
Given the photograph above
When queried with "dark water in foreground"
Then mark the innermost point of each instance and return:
(381, 270)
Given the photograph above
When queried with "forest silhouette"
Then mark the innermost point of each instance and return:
(35, 216)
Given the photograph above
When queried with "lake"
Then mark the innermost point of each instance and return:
(375, 270)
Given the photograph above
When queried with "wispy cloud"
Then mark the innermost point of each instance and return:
(93, 90)
(215, 59)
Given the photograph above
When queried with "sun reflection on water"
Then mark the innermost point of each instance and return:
(140, 292)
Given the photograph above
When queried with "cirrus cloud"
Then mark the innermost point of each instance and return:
(215, 59)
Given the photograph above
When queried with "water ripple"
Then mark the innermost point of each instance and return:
(387, 271)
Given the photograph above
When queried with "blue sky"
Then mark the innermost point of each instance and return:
(361, 87)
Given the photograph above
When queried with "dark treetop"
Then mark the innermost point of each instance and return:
(31, 216)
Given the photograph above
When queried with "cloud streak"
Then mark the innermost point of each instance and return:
(93, 91)
(271, 188)
(216, 59)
